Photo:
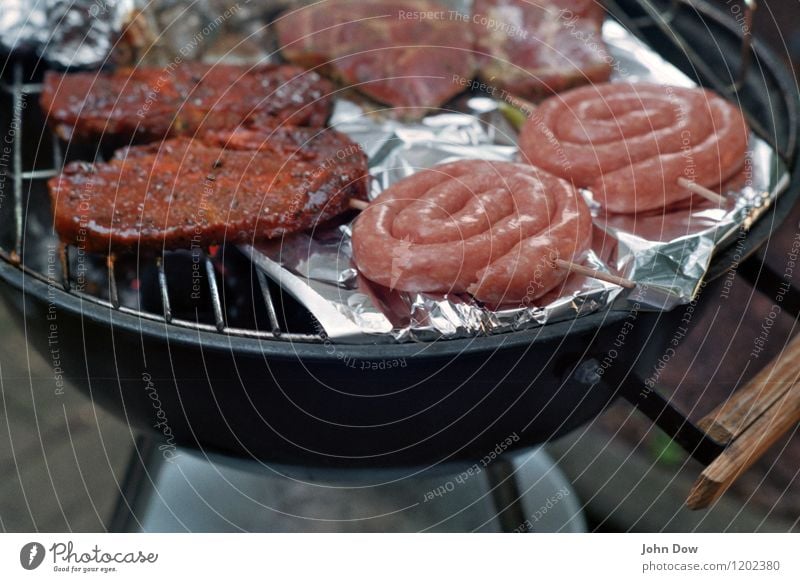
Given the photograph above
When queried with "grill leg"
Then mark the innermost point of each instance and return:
(764, 278)
(136, 486)
(668, 418)
(506, 497)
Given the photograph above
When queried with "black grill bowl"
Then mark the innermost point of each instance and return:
(313, 404)
(321, 404)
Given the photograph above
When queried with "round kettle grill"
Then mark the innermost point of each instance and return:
(238, 367)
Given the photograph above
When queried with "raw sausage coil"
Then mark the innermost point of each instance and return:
(487, 228)
(630, 143)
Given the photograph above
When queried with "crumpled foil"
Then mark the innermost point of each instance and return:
(318, 270)
(66, 33)
(667, 255)
(23, 26)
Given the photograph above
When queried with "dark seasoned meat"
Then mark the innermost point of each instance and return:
(242, 186)
(147, 104)
(404, 53)
(531, 49)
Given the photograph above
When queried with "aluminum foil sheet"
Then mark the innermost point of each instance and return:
(667, 255)
(23, 26)
(318, 270)
(66, 33)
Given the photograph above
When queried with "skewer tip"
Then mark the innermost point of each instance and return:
(594, 273)
(696, 188)
(357, 204)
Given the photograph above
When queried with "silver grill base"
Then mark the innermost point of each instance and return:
(195, 492)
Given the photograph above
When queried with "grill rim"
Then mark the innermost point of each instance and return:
(316, 348)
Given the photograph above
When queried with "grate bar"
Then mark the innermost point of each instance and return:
(16, 120)
(162, 286)
(39, 174)
(25, 88)
(265, 292)
(58, 160)
(112, 281)
(747, 43)
(234, 331)
(216, 302)
(63, 254)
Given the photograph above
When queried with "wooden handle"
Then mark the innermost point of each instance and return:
(735, 415)
(751, 421)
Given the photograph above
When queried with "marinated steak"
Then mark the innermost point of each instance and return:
(404, 53)
(148, 104)
(243, 186)
(532, 49)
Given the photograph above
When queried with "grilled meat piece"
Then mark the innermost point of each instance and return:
(404, 53)
(148, 104)
(242, 187)
(531, 49)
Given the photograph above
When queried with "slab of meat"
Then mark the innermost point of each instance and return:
(491, 229)
(239, 187)
(404, 53)
(630, 143)
(532, 48)
(148, 104)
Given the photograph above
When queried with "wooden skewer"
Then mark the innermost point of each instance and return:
(357, 204)
(701, 191)
(594, 273)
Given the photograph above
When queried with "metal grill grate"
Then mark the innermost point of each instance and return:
(263, 290)
(20, 93)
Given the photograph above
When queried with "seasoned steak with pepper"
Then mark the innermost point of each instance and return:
(148, 104)
(242, 187)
